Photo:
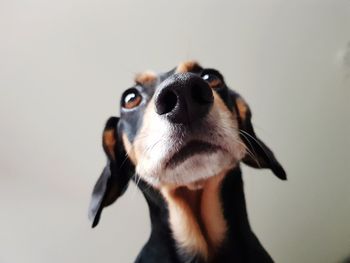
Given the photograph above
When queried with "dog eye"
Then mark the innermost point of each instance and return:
(131, 99)
(213, 80)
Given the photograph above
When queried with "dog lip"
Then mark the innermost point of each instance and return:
(192, 148)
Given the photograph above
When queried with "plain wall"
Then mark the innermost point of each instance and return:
(64, 65)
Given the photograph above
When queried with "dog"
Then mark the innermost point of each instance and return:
(181, 137)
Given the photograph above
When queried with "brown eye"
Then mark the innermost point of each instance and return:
(213, 80)
(131, 99)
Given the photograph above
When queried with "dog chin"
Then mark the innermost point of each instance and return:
(192, 172)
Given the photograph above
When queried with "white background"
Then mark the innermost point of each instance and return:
(64, 64)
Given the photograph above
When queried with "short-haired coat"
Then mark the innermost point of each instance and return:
(181, 136)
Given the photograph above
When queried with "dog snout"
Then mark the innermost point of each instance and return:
(184, 98)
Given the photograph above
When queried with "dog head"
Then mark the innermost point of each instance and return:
(178, 128)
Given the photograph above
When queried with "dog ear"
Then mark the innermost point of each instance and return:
(258, 154)
(115, 176)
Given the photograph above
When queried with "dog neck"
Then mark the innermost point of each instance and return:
(208, 223)
(196, 216)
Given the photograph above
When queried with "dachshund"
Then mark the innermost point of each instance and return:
(181, 137)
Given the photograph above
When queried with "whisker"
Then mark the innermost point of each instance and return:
(132, 147)
(138, 179)
(249, 152)
(253, 151)
(267, 154)
(134, 191)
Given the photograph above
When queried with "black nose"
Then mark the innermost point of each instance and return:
(184, 98)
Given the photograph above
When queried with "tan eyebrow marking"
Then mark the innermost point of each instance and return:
(215, 83)
(188, 66)
(147, 77)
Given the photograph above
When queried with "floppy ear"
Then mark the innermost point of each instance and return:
(115, 176)
(259, 155)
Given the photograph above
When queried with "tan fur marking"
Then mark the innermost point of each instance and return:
(146, 78)
(187, 66)
(184, 225)
(139, 148)
(222, 106)
(129, 149)
(109, 142)
(218, 102)
(211, 210)
(215, 83)
(242, 108)
(196, 216)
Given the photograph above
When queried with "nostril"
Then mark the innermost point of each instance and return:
(202, 93)
(166, 102)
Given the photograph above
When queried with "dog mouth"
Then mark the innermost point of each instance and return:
(194, 147)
